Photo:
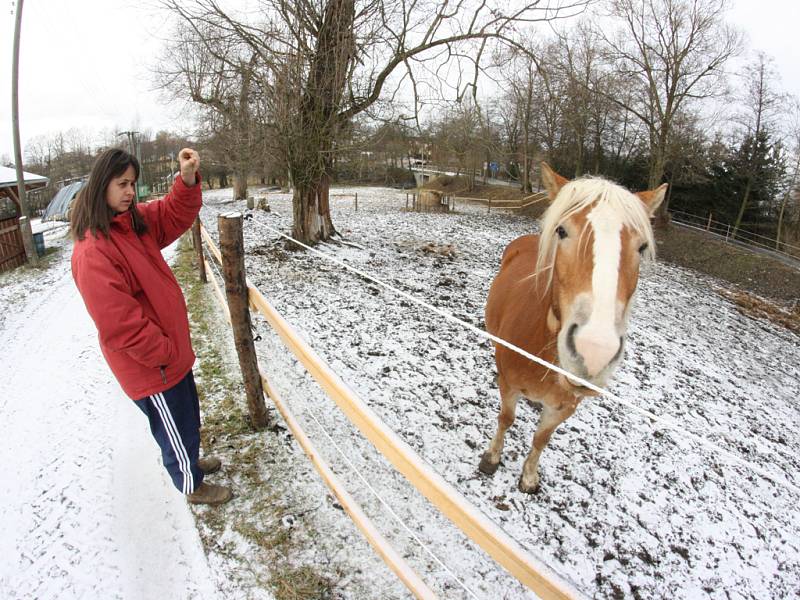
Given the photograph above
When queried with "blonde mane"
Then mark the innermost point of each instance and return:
(577, 195)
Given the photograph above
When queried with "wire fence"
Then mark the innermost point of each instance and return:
(741, 236)
(778, 477)
(529, 570)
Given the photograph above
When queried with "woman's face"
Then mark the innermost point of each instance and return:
(121, 191)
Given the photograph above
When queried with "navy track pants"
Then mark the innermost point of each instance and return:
(174, 416)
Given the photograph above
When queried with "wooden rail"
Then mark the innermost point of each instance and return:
(393, 560)
(507, 204)
(501, 547)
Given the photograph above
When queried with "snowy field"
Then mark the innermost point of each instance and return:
(625, 508)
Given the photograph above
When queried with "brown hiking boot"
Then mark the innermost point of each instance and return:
(209, 464)
(208, 493)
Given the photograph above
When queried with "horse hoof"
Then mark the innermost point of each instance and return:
(528, 489)
(487, 467)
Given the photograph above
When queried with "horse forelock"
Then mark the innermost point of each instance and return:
(579, 195)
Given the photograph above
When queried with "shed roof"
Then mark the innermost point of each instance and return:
(8, 178)
(58, 209)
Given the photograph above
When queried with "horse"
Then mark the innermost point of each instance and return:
(565, 295)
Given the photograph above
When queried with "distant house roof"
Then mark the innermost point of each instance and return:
(8, 178)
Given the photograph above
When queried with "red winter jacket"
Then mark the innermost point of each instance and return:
(133, 297)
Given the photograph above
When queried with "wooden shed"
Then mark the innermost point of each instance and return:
(12, 251)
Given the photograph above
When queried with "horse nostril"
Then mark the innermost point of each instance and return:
(571, 339)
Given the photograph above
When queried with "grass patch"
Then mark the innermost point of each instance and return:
(299, 583)
(255, 465)
(51, 253)
(752, 271)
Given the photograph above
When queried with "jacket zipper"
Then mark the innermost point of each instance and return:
(163, 374)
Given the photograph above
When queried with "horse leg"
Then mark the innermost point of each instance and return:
(508, 411)
(551, 417)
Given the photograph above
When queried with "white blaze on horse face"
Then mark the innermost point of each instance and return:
(598, 340)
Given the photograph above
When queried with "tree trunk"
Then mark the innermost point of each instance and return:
(526, 171)
(526, 161)
(239, 186)
(312, 212)
(579, 157)
(785, 202)
(598, 152)
(654, 180)
(743, 206)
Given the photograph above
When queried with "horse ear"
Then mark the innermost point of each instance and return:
(553, 182)
(652, 198)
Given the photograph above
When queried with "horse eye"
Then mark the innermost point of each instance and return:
(642, 248)
(562, 233)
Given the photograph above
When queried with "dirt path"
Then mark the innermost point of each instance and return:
(87, 510)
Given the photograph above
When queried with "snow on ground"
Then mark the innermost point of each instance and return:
(87, 509)
(625, 509)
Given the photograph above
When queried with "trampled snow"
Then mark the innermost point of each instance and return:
(87, 509)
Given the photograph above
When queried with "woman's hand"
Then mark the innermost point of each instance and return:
(189, 161)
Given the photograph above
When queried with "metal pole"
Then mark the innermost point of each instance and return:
(25, 226)
(138, 149)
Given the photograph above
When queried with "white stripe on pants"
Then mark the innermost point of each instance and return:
(175, 441)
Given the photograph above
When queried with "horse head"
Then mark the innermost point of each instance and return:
(595, 234)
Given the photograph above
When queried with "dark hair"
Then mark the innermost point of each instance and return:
(90, 211)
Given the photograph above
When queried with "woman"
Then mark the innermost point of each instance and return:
(138, 306)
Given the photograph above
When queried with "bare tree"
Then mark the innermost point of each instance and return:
(793, 184)
(215, 70)
(671, 52)
(522, 82)
(457, 133)
(761, 103)
(580, 63)
(320, 64)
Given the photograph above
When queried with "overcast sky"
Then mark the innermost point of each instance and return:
(84, 64)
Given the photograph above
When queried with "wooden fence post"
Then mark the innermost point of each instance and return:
(356, 201)
(197, 242)
(27, 240)
(231, 242)
(490, 207)
(708, 225)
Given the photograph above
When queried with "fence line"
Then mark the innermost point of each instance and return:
(505, 204)
(489, 536)
(727, 225)
(725, 230)
(389, 555)
(386, 505)
(453, 505)
(666, 422)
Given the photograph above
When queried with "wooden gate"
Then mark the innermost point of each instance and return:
(12, 251)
